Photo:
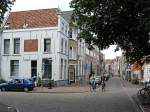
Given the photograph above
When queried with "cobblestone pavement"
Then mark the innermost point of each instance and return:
(73, 99)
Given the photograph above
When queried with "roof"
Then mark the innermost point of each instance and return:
(67, 15)
(33, 18)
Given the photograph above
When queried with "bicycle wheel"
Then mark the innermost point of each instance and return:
(143, 92)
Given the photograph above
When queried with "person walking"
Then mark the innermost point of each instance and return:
(103, 86)
(93, 84)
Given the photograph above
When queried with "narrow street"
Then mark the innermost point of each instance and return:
(114, 99)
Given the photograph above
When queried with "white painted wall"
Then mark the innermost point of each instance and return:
(54, 33)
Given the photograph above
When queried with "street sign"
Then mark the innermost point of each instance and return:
(85, 66)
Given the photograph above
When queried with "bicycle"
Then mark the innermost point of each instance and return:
(94, 87)
(145, 91)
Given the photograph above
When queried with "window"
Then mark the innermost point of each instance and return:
(7, 46)
(47, 45)
(16, 46)
(70, 53)
(70, 33)
(62, 26)
(66, 29)
(62, 45)
(47, 64)
(65, 69)
(61, 69)
(66, 46)
(14, 65)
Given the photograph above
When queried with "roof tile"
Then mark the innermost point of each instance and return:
(34, 18)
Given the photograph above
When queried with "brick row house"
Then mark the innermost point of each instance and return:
(43, 43)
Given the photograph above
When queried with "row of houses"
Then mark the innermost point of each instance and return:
(136, 72)
(43, 43)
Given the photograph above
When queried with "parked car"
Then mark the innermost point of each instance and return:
(18, 84)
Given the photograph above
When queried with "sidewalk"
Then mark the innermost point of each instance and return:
(62, 89)
(138, 100)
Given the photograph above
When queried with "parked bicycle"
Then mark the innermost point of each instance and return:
(145, 91)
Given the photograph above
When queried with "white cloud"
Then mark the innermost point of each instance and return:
(110, 54)
(21, 5)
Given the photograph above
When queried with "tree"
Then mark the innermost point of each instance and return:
(91, 71)
(5, 5)
(122, 22)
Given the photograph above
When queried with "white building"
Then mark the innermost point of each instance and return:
(35, 43)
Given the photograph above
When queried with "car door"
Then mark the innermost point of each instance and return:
(11, 85)
(19, 85)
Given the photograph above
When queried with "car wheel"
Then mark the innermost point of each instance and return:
(3, 89)
(26, 89)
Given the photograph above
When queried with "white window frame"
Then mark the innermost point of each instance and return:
(14, 68)
(46, 50)
(16, 46)
(6, 46)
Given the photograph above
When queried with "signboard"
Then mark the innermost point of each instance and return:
(128, 67)
(85, 66)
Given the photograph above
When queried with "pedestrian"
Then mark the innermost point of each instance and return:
(103, 86)
(93, 84)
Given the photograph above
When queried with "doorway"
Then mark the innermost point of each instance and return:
(71, 75)
(33, 69)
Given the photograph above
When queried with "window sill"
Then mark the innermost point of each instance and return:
(47, 52)
(16, 54)
(6, 55)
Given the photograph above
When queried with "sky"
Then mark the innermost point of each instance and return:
(110, 54)
(21, 5)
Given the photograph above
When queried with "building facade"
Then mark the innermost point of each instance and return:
(35, 44)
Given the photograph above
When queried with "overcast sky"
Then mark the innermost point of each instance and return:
(41, 4)
(21, 5)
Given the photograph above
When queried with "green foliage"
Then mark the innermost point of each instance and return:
(91, 70)
(5, 5)
(122, 22)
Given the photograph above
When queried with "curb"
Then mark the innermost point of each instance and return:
(138, 103)
(61, 92)
(134, 99)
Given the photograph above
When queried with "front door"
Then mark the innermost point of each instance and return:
(72, 75)
(33, 69)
